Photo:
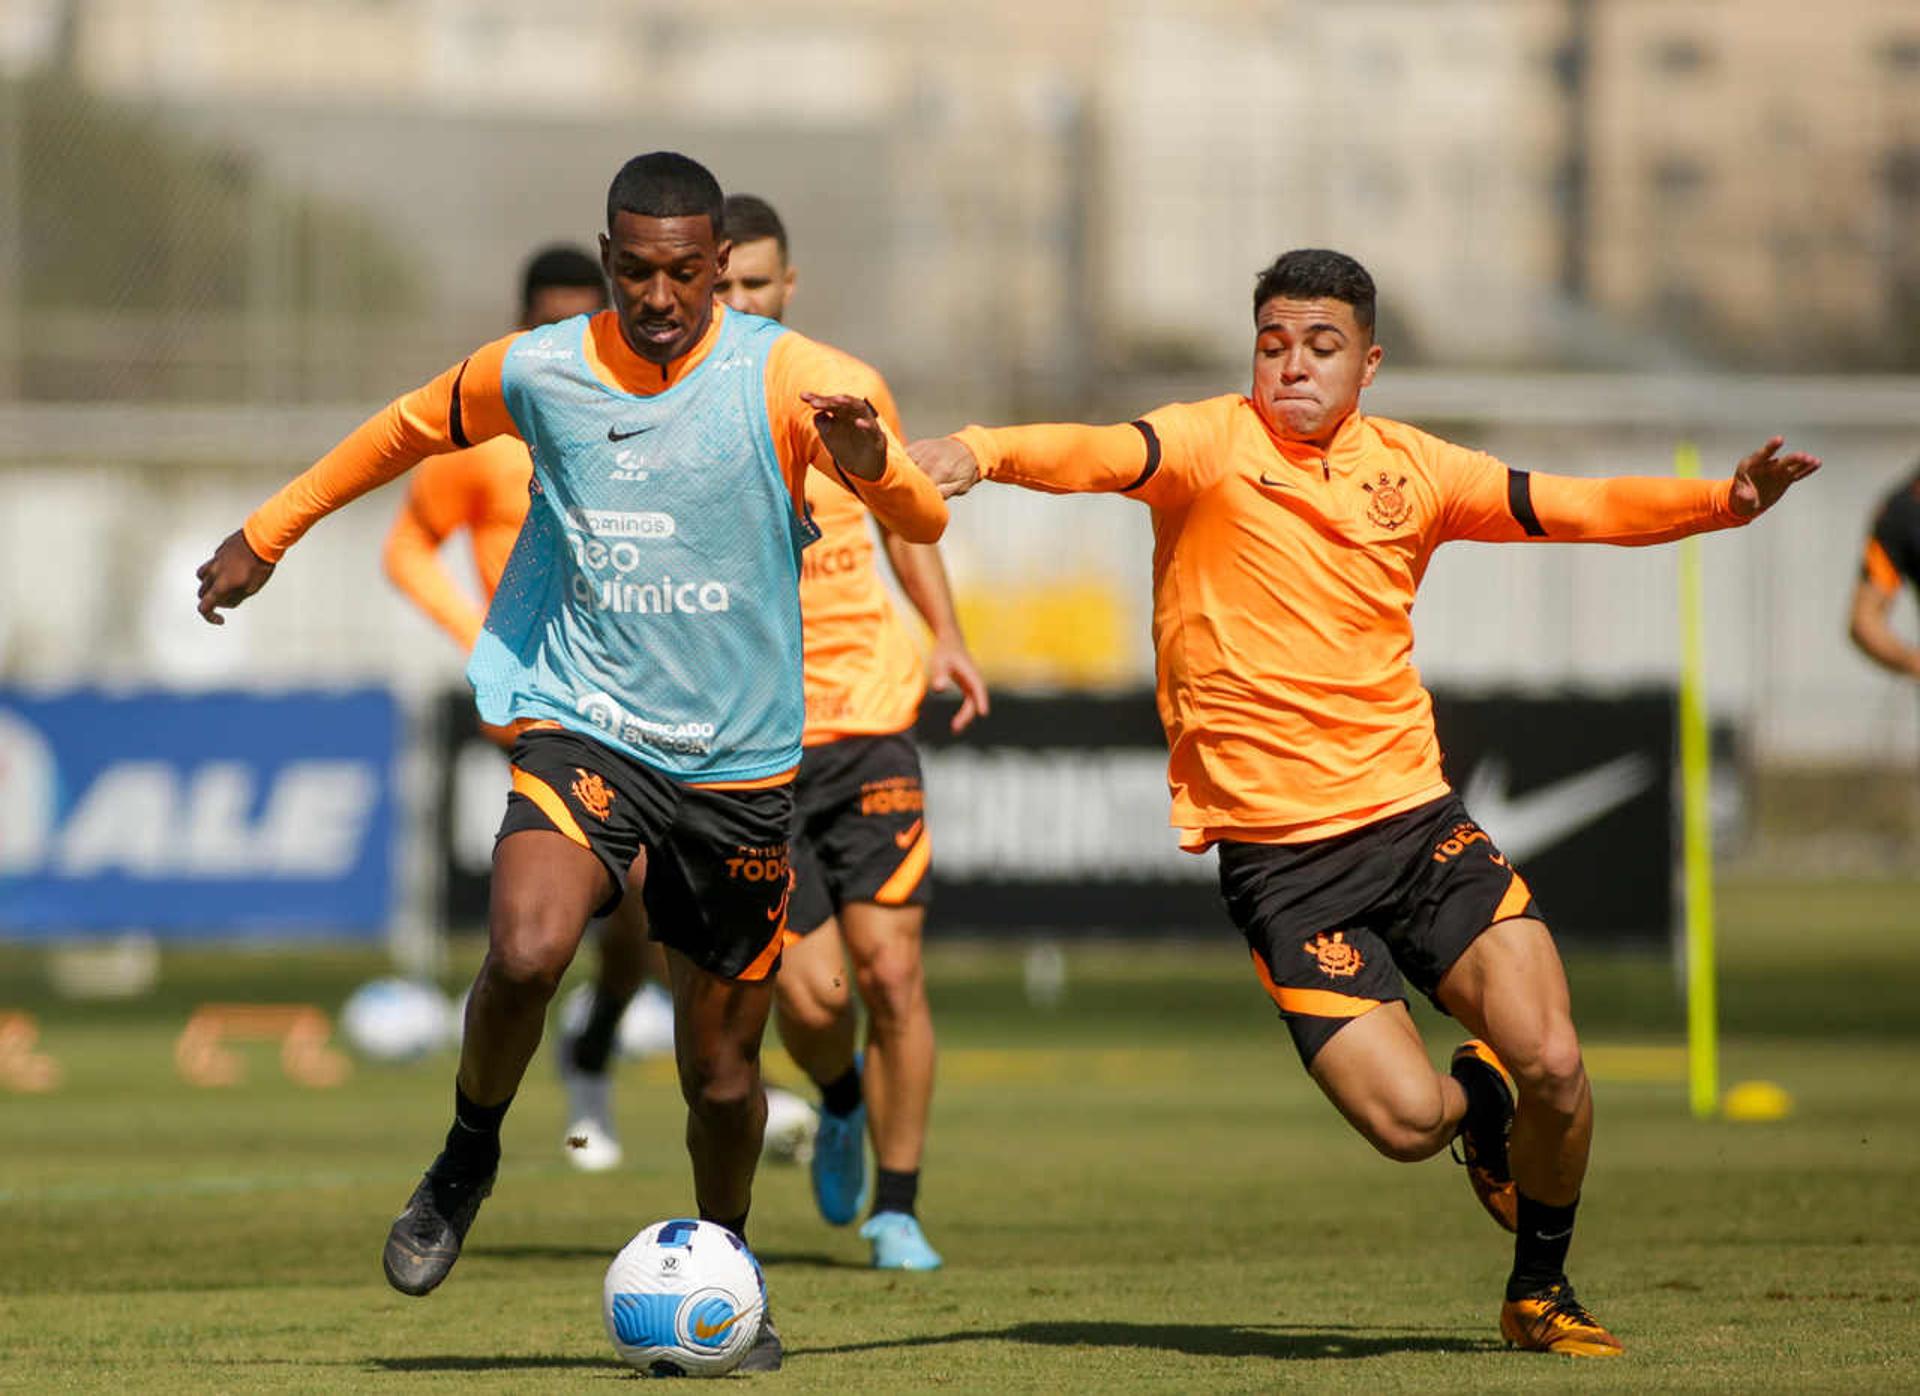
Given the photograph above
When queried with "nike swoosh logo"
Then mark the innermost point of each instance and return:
(1527, 824)
(703, 1332)
(613, 435)
(1554, 1236)
(1267, 479)
(906, 836)
(785, 894)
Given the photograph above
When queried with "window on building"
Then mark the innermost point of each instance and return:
(1680, 55)
(1901, 52)
(1679, 179)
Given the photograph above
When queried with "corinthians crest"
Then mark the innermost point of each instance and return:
(1387, 502)
(1338, 960)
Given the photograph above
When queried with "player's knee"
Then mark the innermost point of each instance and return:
(527, 966)
(719, 1085)
(811, 1000)
(891, 984)
(1553, 1075)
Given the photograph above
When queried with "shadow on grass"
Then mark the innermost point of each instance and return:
(1282, 1342)
(466, 1362)
(809, 1260)
(536, 1250)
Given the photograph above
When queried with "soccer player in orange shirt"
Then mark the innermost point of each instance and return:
(861, 848)
(1892, 557)
(1291, 531)
(483, 491)
(648, 625)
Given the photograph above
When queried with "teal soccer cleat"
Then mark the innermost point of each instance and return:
(839, 1165)
(898, 1242)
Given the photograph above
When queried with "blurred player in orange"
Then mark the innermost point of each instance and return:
(861, 846)
(483, 491)
(1892, 558)
(647, 628)
(1291, 532)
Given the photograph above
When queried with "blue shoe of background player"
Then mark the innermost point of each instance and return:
(839, 1165)
(898, 1242)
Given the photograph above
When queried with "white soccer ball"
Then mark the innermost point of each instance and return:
(646, 1028)
(395, 1020)
(684, 1299)
(791, 1127)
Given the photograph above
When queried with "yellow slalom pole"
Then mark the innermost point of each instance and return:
(1703, 1021)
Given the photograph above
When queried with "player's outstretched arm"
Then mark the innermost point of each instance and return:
(1053, 457)
(462, 406)
(1491, 502)
(873, 464)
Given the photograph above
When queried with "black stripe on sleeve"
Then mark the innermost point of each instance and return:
(1520, 503)
(1153, 457)
(455, 428)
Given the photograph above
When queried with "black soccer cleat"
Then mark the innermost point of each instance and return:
(427, 1236)
(1484, 1150)
(766, 1353)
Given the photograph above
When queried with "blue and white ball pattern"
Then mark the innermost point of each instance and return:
(684, 1299)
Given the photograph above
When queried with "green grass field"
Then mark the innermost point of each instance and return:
(1137, 1190)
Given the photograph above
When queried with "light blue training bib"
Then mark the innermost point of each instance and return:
(652, 598)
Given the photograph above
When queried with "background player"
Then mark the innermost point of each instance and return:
(1892, 553)
(861, 846)
(648, 626)
(1291, 532)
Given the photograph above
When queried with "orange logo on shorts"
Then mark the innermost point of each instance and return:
(593, 793)
(1338, 960)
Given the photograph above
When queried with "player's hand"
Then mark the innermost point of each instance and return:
(951, 667)
(1760, 479)
(850, 429)
(230, 576)
(949, 463)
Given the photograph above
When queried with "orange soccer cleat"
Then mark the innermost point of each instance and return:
(1484, 1150)
(1554, 1321)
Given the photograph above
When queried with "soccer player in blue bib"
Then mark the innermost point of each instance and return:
(646, 639)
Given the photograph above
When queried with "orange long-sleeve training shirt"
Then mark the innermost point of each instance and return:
(1284, 580)
(465, 406)
(483, 491)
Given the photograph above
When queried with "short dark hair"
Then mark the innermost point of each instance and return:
(666, 184)
(1313, 273)
(562, 264)
(750, 218)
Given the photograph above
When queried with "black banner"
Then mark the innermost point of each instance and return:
(1052, 814)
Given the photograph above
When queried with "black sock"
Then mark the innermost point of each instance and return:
(895, 1192)
(841, 1096)
(594, 1045)
(1540, 1248)
(738, 1226)
(473, 1144)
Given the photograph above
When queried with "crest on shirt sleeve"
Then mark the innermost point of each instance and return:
(1387, 502)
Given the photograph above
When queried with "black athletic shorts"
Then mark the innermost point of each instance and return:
(860, 828)
(1334, 924)
(718, 871)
